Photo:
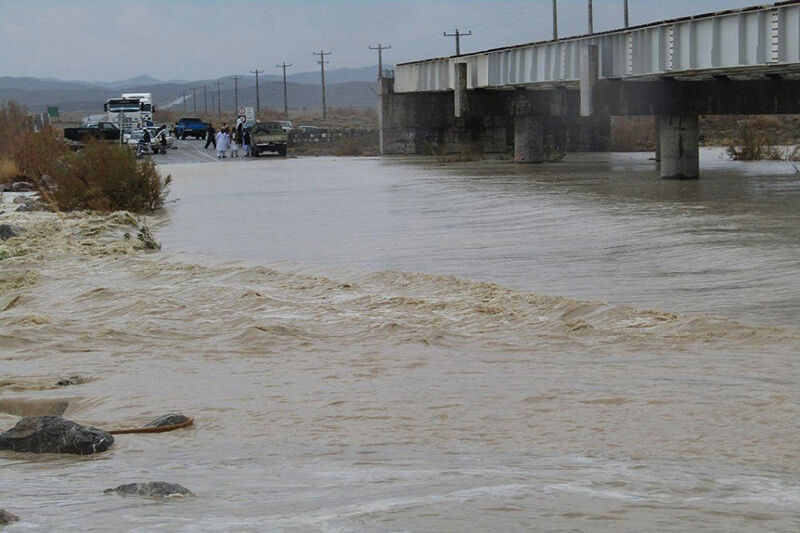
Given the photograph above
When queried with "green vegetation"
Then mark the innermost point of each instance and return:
(146, 237)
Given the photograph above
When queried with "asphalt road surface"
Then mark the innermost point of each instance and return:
(192, 151)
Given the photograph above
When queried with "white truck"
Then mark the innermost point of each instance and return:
(132, 111)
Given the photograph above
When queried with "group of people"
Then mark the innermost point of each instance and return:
(229, 139)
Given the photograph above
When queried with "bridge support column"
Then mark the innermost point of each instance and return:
(658, 139)
(460, 93)
(589, 75)
(528, 139)
(680, 147)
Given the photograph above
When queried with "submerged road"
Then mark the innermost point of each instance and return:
(192, 151)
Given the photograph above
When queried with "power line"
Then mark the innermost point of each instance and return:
(284, 66)
(258, 98)
(458, 36)
(236, 91)
(219, 100)
(321, 61)
(380, 48)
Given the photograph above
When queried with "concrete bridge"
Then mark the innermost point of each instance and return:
(562, 93)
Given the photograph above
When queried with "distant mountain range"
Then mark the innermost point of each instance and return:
(345, 88)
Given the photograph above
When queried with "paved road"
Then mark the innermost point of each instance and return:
(192, 151)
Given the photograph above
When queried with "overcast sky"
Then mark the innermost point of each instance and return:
(110, 40)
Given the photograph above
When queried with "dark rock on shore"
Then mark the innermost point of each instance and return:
(9, 230)
(167, 420)
(151, 489)
(52, 434)
(22, 186)
(7, 518)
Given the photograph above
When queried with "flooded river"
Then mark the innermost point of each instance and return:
(398, 345)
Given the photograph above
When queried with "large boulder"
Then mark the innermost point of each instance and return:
(9, 230)
(22, 186)
(171, 419)
(52, 434)
(151, 489)
(7, 518)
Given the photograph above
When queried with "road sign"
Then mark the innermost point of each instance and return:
(242, 112)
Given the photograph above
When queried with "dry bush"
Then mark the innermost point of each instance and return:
(9, 170)
(107, 177)
(633, 134)
(40, 153)
(14, 128)
(756, 139)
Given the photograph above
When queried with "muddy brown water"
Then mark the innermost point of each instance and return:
(399, 345)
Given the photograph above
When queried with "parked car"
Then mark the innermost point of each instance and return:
(138, 135)
(286, 125)
(309, 129)
(191, 127)
(268, 137)
(156, 133)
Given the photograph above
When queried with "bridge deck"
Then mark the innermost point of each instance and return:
(760, 39)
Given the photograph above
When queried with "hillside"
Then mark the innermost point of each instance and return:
(345, 88)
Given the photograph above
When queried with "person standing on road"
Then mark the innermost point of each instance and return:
(246, 142)
(221, 144)
(235, 143)
(211, 136)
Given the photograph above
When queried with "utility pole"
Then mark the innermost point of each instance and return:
(627, 20)
(285, 93)
(591, 19)
(322, 54)
(194, 100)
(219, 100)
(236, 91)
(555, 20)
(205, 97)
(258, 98)
(380, 48)
(184, 102)
(458, 35)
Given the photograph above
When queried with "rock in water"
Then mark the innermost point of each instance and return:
(52, 434)
(171, 419)
(71, 380)
(7, 518)
(8, 230)
(151, 489)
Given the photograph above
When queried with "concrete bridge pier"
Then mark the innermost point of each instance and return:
(528, 139)
(679, 138)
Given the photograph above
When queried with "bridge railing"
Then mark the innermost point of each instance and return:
(764, 36)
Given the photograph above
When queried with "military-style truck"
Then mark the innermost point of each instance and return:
(99, 130)
(268, 137)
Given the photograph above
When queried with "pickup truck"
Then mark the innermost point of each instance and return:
(191, 127)
(99, 130)
(268, 137)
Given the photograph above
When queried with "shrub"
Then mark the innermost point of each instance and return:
(755, 139)
(107, 177)
(40, 153)
(8, 170)
(633, 134)
(15, 128)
